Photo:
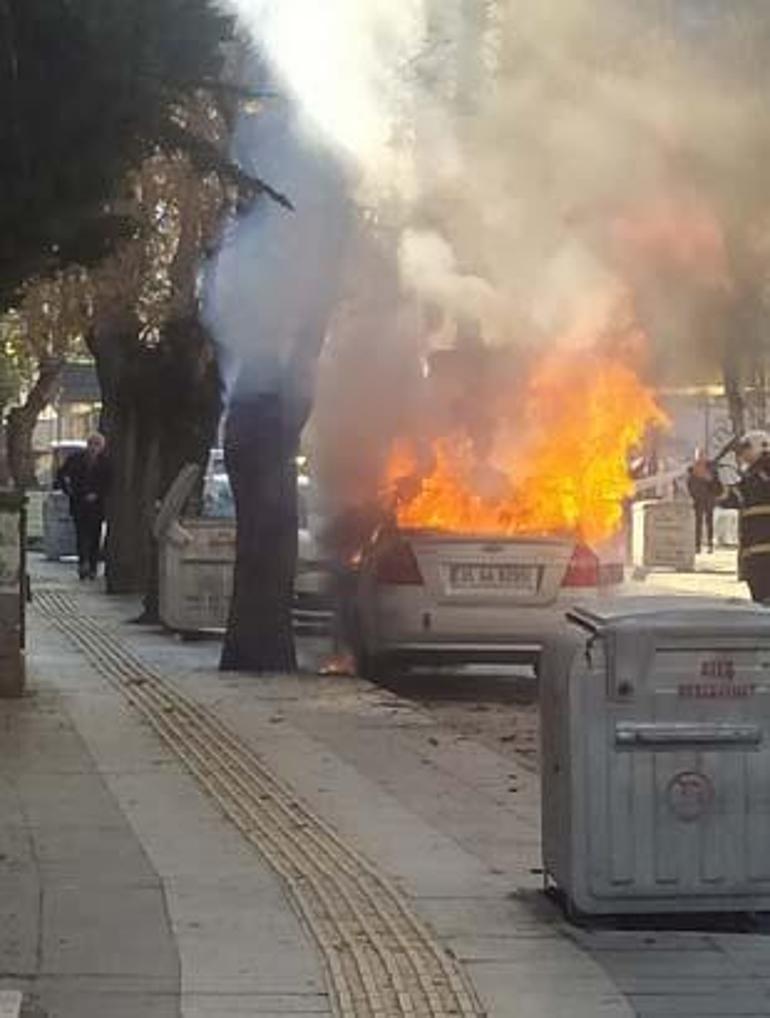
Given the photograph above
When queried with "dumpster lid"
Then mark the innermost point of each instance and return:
(662, 613)
(175, 499)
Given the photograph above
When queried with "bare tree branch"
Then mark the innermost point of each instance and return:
(207, 158)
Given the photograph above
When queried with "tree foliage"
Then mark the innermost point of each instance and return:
(88, 89)
(155, 362)
(45, 328)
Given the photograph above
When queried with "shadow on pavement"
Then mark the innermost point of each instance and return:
(517, 686)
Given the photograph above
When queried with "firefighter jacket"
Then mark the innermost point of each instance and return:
(751, 497)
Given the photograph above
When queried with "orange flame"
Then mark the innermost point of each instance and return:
(561, 468)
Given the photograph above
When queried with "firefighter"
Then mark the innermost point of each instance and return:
(751, 497)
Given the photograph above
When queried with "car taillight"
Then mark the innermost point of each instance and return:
(397, 565)
(584, 569)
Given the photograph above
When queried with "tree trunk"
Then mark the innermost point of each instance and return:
(190, 408)
(123, 372)
(21, 422)
(134, 457)
(260, 448)
(161, 410)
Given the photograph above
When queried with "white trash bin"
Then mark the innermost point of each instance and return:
(656, 757)
(663, 535)
(196, 557)
(196, 562)
(726, 527)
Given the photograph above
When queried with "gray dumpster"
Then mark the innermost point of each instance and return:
(59, 538)
(663, 535)
(656, 757)
(196, 560)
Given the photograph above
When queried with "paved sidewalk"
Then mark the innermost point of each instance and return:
(451, 822)
(715, 575)
(128, 894)
(84, 929)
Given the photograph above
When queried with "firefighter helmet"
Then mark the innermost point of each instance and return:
(754, 444)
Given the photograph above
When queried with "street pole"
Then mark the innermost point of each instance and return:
(707, 425)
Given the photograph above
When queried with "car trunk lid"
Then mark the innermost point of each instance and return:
(481, 569)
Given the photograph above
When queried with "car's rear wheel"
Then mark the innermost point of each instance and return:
(369, 666)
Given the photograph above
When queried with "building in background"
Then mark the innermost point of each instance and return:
(73, 415)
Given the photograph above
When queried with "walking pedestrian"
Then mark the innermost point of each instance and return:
(751, 496)
(86, 477)
(703, 486)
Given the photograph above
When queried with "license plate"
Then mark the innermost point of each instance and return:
(470, 576)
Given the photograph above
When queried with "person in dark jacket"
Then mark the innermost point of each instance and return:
(703, 486)
(751, 497)
(86, 478)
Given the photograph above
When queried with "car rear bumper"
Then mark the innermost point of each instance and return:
(409, 628)
(406, 622)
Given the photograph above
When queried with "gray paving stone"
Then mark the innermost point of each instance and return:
(526, 993)
(734, 987)
(19, 924)
(648, 941)
(703, 1006)
(17, 855)
(71, 872)
(92, 855)
(60, 800)
(53, 999)
(43, 748)
(457, 917)
(553, 955)
(183, 833)
(244, 1010)
(265, 1005)
(668, 964)
(239, 935)
(104, 930)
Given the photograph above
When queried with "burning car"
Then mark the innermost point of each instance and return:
(432, 598)
(508, 517)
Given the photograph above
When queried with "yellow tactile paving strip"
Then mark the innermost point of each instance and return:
(381, 960)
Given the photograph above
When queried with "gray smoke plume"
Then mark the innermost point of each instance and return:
(271, 289)
(515, 163)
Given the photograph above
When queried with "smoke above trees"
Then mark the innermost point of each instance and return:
(510, 161)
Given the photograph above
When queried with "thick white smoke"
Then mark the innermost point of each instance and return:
(271, 289)
(510, 159)
(350, 67)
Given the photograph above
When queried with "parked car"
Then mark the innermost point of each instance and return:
(430, 598)
(312, 582)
